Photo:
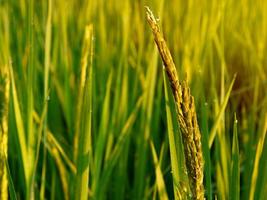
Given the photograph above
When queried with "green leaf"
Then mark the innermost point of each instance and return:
(255, 172)
(206, 152)
(235, 168)
(159, 176)
(20, 126)
(11, 187)
(221, 111)
(85, 140)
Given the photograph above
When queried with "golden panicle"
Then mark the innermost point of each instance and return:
(4, 101)
(186, 114)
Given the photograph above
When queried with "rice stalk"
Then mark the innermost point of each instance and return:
(186, 114)
(4, 102)
(46, 92)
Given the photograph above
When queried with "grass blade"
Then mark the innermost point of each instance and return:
(159, 176)
(11, 187)
(206, 152)
(46, 92)
(117, 150)
(257, 160)
(61, 168)
(30, 131)
(81, 89)
(218, 118)
(20, 125)
(4, 105)
(235, 168)
(261, 187)
(84, 149)
(102, 135)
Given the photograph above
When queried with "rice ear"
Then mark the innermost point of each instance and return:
(186, 114)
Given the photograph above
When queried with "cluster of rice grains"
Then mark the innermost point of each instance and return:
(4, 99)
(186, 114)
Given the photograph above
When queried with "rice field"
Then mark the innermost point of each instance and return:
(130, 100)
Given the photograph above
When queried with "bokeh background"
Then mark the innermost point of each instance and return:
(210, 42)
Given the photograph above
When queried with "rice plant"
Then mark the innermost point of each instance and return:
(105, 100)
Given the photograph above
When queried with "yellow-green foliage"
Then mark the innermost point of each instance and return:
(111, 133)
(4, 105)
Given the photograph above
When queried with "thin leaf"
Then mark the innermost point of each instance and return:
(118, 148)
(218, 118)
(257, 160)
(159, 176)
(20, 125)
(206, 153)
(84, 149)
(11, 187)
(235, 168)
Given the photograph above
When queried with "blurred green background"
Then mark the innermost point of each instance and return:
(122, 108)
